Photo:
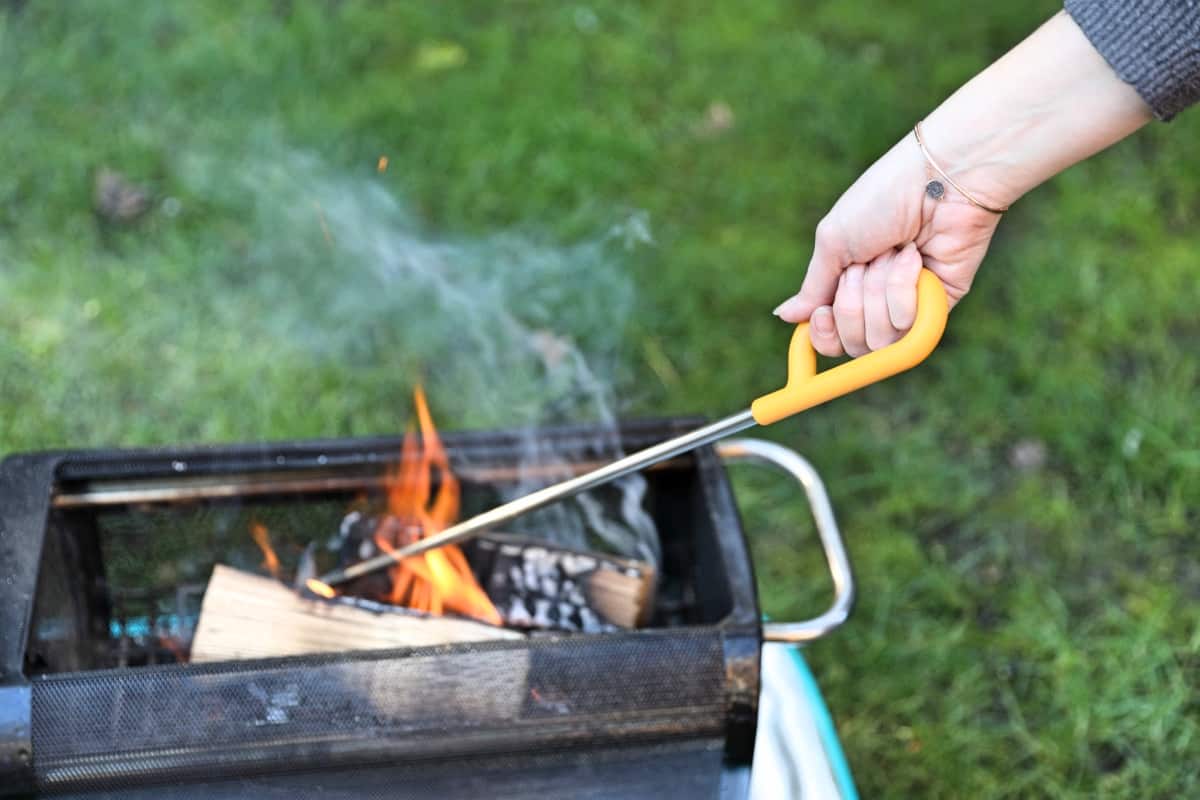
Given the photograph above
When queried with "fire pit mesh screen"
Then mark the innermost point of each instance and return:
(182, 722)
(108, 597)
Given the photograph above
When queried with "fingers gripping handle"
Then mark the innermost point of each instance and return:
(805, 388)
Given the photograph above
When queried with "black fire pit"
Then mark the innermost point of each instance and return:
(96, 603)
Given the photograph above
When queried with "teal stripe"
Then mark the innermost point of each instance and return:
(826, 729)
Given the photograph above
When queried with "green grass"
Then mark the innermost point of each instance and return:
(1021, 632)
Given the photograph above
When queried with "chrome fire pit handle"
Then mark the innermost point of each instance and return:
(791, 462)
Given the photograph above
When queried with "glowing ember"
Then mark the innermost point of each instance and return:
(320, 589)
(262, 538)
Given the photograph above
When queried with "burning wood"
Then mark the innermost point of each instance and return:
(423, 600)
(536, 585)
(251, 616)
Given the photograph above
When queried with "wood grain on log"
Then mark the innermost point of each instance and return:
(250, 616)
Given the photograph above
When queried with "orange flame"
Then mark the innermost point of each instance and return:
(262, 538)
(441, 580)
(436, 582)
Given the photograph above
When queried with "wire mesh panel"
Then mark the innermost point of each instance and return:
(118, 727)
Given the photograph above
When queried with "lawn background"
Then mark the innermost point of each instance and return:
(1021, 510)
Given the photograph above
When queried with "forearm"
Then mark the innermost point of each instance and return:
(1048, 103)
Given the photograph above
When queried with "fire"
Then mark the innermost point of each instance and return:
(262, 538)
(440, 580)
(436, 582)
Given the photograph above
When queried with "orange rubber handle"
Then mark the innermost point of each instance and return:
(805, 388)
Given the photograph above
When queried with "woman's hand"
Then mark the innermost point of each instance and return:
(860, 291)
(1049, 102)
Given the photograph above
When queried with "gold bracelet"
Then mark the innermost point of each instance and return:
(936, 190)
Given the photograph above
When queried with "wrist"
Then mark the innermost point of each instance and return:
(982, 157)
(1048, 103)
(940, 182)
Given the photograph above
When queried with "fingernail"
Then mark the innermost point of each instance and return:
(786, 306)
(854, 278)
(822, 320)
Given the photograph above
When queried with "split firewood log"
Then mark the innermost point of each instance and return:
(251, 616)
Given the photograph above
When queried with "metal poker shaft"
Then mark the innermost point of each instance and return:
(542, 497)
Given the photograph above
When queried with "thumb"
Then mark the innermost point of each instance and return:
(819, 286)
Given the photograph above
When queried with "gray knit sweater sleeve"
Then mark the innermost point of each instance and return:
(1154, 45)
